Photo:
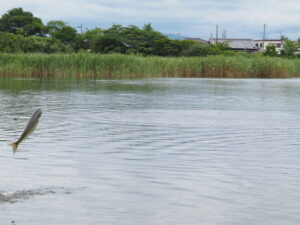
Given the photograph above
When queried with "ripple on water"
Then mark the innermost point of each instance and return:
(180, 151)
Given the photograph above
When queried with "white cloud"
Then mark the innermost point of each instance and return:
(190, 17)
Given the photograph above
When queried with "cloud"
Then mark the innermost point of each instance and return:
(240, 18)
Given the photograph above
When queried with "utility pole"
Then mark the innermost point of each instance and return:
(264, 35)
(80, 28)
(224, 35)
(217, 33)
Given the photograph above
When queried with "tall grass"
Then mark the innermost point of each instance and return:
(117, 66)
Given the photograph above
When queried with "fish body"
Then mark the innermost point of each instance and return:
(28, 130)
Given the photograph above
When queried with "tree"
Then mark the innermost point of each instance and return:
(283, 37)
(10, 43)
(128, 40)
(270, 51)
(289, 48)
(219, 48)
(167, 47)
(88, 39)
(148, 27)
(43, 45)
(60, 30)
(195, 49)
(150, 36)
(21, 22)
(107, 44)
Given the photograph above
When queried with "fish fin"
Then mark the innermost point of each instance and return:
(14, 146)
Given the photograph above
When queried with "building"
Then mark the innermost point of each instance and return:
(262, 44)
(237, 44)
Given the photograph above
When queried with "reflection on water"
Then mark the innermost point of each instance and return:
(153, 151)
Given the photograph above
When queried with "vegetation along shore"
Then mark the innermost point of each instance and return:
(118, 66)
(28, 48)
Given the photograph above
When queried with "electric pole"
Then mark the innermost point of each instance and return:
(217, 33)
(264, 35)
(80, 28)
(224, 35)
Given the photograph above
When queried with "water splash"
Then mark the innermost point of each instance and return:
(16, 196)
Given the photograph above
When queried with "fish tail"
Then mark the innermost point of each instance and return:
(14, 146)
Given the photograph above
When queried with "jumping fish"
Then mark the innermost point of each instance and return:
(28, 130)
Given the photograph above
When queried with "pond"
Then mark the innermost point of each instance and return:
(151, 151)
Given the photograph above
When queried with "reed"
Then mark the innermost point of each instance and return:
(116, 66)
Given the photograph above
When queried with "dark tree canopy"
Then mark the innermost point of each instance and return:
(61, 31)
(21, 22)
(86, 40)
(129, 39)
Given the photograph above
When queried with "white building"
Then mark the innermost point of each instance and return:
(262, 44)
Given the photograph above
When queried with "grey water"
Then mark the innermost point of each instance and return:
(152, 151)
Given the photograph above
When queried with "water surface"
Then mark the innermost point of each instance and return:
(153, 151)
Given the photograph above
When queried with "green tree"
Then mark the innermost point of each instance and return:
(128, 40)
(197, 50)
(289, 48)
(134, 39)
(167, 47)
(21, 22)
(270, 51)
(150, 36)
(106, 44)
(10, 43)
(60, 30)
(87, 40)
(192, 48)
(283, 37)
(43, 45)
(141, 40)
(111, 41)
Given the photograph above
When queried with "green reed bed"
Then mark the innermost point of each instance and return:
(118, 66)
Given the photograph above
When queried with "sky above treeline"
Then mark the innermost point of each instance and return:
(189, 18)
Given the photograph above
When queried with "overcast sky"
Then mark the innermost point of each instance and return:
(193, 18)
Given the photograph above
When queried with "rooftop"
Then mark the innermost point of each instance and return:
(235, 43)
(269, 40)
